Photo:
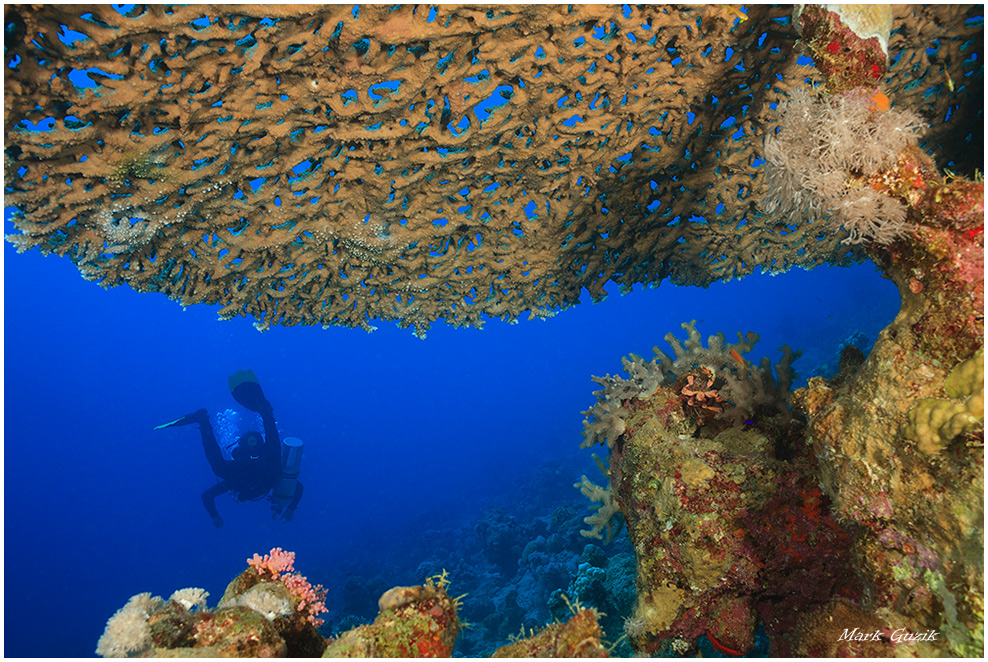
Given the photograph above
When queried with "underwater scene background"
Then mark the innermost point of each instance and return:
(457, 451)
(194, 191)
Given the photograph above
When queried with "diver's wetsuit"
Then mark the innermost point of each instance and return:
(249, 478)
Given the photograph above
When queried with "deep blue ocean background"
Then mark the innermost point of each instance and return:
(410, 444)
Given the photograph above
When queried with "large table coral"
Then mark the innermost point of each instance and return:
(339, 164)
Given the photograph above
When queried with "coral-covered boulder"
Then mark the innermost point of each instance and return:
(275, 602)
(900, 443)
(725, 533)
(579, 637)
(916, 489)
(236, 632)
(269, 610)
(414, 621)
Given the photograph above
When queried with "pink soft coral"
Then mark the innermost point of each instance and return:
(279, 565)
(274, 563)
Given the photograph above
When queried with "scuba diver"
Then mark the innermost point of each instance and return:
(260, 464)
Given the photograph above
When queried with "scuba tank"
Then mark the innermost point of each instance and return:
(291, 458)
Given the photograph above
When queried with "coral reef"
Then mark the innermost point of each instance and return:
(266, 611)
(939, 268)
(540, 553)
(578, 637)
(853, 526)
(325, 165)
(414, 621)
(725, 534)
(901, 443)
(544, 558)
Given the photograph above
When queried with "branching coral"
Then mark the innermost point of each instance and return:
(735, 385)
(603, 520)
(279, 566)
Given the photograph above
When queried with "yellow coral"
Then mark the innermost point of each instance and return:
(933, 422)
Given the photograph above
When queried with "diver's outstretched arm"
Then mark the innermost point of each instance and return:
(290, 510)
(272, 440)
(209, 501)
(246, 390)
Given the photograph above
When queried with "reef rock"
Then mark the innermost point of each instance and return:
(414, 621)
(725, 533)
(900, 447)
(579, 637)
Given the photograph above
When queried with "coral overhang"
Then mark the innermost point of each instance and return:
(337, 165)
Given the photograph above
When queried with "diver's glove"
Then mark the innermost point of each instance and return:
(285, 515)
(218, 522)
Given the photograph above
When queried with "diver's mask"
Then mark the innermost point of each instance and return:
(248, 447)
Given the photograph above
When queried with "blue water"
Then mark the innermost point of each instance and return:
(402, 436)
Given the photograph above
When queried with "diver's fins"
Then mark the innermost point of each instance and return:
(195, 417)
(247, 391)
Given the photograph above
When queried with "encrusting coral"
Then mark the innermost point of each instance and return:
(326, 165)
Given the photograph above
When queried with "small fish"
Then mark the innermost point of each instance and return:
(880, 101)
(950, 81)
(735, 12)
(740, 359)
